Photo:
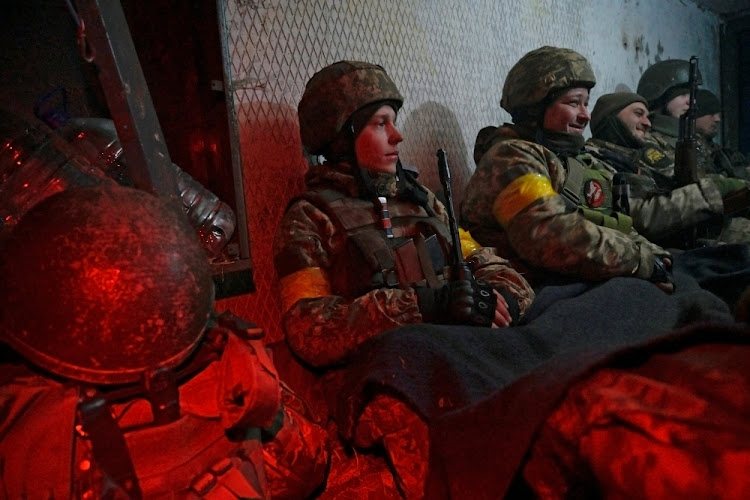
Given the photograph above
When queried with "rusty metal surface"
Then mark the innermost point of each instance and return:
(128, 97)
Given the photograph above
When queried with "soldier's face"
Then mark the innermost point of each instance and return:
(677, 106)
(635, 117)
(376, 146)
(708, 125)
(569, 112)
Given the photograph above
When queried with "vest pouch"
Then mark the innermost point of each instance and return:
(435, 251)
(621, 222)
(379, 258)
(408, 266)
(419, 260)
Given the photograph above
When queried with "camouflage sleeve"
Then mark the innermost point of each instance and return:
(526, 179)
(437, 206)
(657, 213)
(321, 326)
(705, 155)
(486, 265)
(734, 163)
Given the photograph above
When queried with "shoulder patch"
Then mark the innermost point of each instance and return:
(653, 156)
(594, 193)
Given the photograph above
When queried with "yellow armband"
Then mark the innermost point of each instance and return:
(519, 194)
(303, 284)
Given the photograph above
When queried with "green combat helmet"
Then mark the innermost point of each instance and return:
(538, 73)
(104, 284)
(662, 76)
(334, 93)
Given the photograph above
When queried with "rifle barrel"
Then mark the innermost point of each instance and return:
(460, 268)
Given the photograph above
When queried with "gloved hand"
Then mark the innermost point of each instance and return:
(728, 185)
(462, 302)
(662, 275)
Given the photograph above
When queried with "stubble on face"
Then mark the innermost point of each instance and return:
(635, 118)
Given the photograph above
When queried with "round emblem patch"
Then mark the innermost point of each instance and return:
(594, 193)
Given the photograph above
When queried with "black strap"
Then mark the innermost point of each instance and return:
(108, 446)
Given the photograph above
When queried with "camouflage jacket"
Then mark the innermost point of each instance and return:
(332, 302)
(663, 133)
(724, 161)
(658, 209)
(513, 201)
(661, 144)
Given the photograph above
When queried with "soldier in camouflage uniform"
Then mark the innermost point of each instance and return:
(661, 210)
(665, 86)
(364, 249)
(118, 381)
(535, 196)
(725, 161)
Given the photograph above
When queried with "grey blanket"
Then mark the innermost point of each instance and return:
(484, 392)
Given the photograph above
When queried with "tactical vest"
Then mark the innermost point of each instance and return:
(590, 191)
(369, 259)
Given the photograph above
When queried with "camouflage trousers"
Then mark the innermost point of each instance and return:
(676, 427)
(389, 424)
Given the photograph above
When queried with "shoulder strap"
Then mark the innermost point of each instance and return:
(108, 445)
(575, 173)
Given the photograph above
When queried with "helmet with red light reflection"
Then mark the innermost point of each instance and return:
(334, 93)
(103, 284)
(537, 74)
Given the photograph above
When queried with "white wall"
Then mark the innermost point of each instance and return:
(449, 59)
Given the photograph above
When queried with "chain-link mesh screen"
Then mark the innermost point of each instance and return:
(449, 60)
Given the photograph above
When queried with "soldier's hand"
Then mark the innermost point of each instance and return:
(502, 312)
(466, 302)
(662, 275)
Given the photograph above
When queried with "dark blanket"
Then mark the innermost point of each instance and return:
(723, 270)
(485, 392)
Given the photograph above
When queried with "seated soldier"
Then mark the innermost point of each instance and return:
(725, 161)
(367, 248)
(665, 86)
(546, 206)
(662, 211)
(121, 382)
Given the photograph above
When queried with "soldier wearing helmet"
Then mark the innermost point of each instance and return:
(348, 250)
(665, 213)
(665, 86)
(365, 248)
(546, 205)
(118, 380)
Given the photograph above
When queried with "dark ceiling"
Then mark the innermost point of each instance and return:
(726, 9)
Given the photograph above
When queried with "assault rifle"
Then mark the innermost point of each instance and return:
(460, 270)
(686, 151)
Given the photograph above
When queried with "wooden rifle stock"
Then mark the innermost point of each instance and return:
(686, 151)
(737, 201)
